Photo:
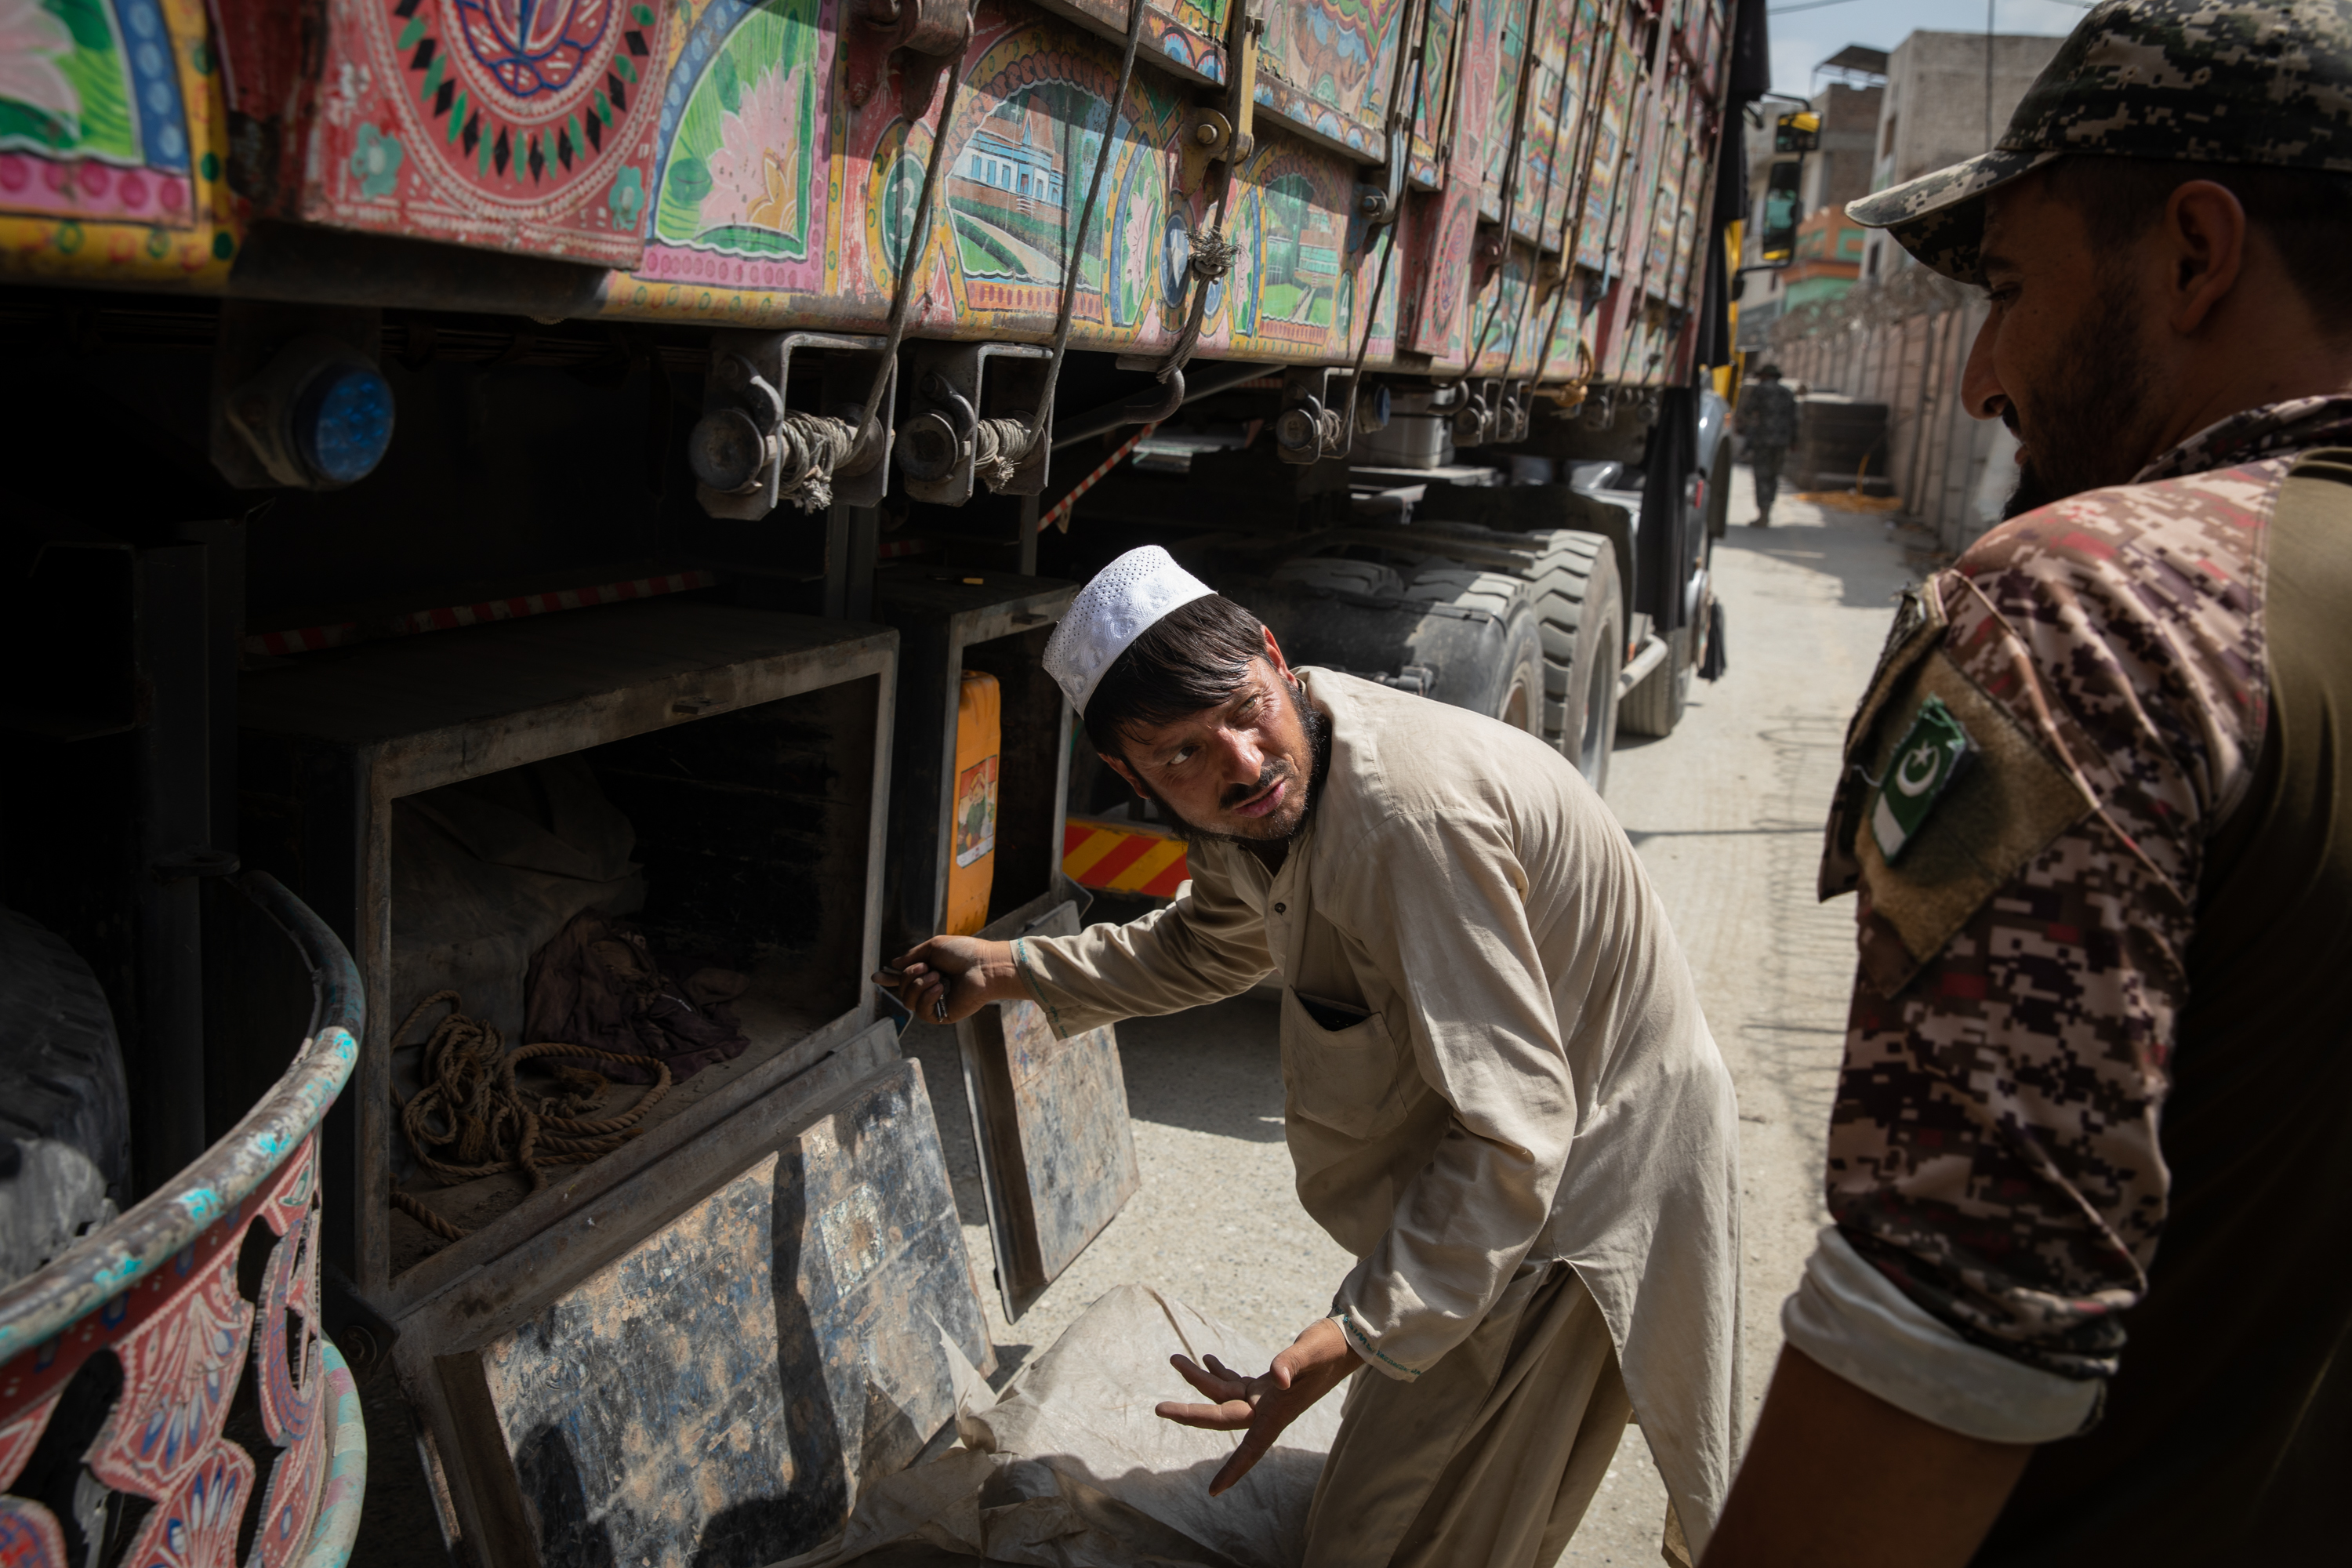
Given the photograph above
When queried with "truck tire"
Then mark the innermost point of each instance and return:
(1367, 580)
(1478, 636)
(1580, 616)
(1655, 706)
(64, 1106)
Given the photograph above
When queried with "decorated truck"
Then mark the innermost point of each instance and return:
(532, 524)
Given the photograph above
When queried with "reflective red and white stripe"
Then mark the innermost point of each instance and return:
(307, 640)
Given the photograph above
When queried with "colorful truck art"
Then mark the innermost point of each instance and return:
(110, 141)
(749, 162)
(738, 197)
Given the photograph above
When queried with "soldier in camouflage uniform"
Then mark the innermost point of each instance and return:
(2086, 1299)
(1767, 422)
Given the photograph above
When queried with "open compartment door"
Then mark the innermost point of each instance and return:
(1049, 1115)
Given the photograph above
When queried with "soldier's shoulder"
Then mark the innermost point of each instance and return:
(2210, 523)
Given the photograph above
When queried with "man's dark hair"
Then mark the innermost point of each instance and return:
(2306, 215)
(1769, 373)
(1194, 657)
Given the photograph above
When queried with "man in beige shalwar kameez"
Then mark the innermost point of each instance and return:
(1501, 1096)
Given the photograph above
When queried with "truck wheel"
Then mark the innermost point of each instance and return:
(65, 1112)
(1580, 611)
(1478, 634)
(1655, 706)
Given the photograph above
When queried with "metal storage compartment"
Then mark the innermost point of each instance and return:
(746, 748)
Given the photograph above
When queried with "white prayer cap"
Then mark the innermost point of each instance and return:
(1126, 599)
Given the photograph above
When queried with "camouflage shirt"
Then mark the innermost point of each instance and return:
(1767, 415)
(1994, 1148)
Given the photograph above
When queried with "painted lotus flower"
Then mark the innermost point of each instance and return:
(755, 171)
(32, 40)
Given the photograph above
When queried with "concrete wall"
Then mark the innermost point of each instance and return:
(1905, 345)
(1932, 112)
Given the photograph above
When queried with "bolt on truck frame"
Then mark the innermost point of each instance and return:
(479, 466)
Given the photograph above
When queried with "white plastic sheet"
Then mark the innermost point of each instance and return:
(1070, 1469)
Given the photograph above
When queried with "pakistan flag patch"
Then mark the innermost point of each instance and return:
(1933, 754)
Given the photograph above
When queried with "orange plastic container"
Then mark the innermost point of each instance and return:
(971, 831)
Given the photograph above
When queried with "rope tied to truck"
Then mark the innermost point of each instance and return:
(810, 446)
(1210, 258)
(471, 1107)
(995, 447)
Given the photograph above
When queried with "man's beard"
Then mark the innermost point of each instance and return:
(2093, 424)
(1318, 725)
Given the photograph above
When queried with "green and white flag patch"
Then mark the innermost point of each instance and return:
(1933, 752)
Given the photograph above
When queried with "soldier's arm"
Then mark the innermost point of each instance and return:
(1995, 1170)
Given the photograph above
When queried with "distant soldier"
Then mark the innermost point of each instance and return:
(1767, 422)
(2086, 1297)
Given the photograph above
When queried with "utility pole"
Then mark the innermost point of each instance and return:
(1988, 7)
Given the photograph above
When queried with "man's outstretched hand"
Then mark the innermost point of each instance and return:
(950, 978)
(1318, 1361)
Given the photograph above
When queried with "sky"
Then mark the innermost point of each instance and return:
(1806, 31)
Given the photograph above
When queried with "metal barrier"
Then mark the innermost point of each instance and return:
(209, 1281)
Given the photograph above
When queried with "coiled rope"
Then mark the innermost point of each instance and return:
(994, 442)
(809, 448)
(469, 1085)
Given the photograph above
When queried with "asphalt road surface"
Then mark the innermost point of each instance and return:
(1726, 813)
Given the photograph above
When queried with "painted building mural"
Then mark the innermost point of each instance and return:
(749, 162)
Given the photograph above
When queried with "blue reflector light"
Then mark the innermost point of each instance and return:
(343, 423)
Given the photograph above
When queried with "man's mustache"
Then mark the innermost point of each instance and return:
(1236, 794)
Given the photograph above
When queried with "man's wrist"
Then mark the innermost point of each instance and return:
(1002, 967)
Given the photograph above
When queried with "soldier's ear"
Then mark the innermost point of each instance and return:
(2203, 239)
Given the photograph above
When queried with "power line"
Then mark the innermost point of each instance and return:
(1808, 5)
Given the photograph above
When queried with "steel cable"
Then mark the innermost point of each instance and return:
(1071, 268)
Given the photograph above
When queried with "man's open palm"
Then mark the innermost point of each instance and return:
(1318, 1361)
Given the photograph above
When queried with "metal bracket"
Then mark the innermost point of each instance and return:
(1313, 424)
(1382, 205)
(1208, 137)
(1223, 135)
(748, 393)
(1514, 413)
(953, 390)
(1474, 421)
(940, 27)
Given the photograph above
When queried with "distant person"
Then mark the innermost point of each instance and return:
(2087, 1294)
(1500, 1095)
(1766, 424)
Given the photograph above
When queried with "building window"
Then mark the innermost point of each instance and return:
(1886, 148)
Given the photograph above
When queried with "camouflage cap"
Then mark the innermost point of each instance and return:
(2191, 80)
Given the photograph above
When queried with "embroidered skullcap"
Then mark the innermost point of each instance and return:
(1126, 599)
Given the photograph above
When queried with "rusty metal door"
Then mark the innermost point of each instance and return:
(1056, 1149)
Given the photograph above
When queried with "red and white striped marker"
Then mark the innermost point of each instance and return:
(1059, 517)
(307, 639)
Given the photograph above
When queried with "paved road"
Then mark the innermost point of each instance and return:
(1726, 813)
